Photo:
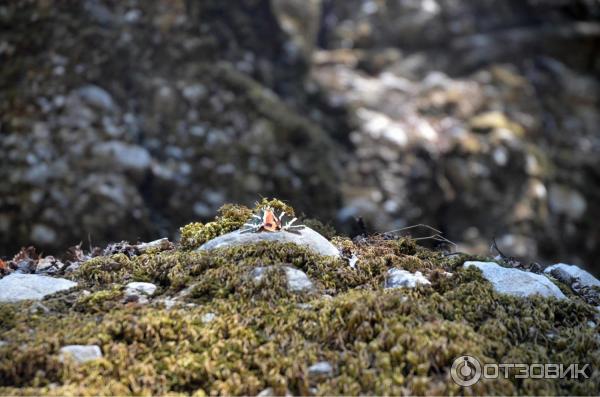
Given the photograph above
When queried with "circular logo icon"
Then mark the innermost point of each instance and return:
(465, 371)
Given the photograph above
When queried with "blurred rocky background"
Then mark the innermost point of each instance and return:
(127, 119)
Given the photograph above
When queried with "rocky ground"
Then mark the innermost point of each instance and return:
(123, 120)
(216, 315)
(473, 117)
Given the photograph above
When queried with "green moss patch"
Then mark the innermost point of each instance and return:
(260, 334)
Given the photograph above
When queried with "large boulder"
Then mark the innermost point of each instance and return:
(516, 282)
(306, 237)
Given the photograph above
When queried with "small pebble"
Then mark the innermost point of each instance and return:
(81, 353)
(208, 317)
(322, 368)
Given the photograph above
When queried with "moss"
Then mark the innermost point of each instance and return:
(7, 316)
(99, 302)
(326, 230)
(230, 218)
(378, 341)
(276, 204)
(105, 269)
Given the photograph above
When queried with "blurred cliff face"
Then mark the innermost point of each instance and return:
(124, 120)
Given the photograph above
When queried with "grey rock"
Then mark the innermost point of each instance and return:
(3, 343)
(269, 392)
(569, 274)
(25, 266)
(169, 303)
(305, 237)
(161, 244)
(16, 287)
(38, 308)
(320, 369)
(399, 278)
(48, 265)
(97, 97)
(297, 280)
(140, 288)
(352, 261)
(516, 282)
(123, 155)
(98, 12)
(80, 353)
(208, 317)
(564, 200)
(258, 273)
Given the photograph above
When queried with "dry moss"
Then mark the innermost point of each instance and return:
(378, 341)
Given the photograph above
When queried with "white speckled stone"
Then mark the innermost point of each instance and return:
(399, 278)
(306, 237)
(322, 368)
(139, 288)
(81, 353)
(516, 282)
(17, 287)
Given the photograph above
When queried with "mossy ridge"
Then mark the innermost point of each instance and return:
(378, 341)
(227, 268)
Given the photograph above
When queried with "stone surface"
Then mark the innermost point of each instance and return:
(516, 282)
(320, 369)
(306, 237)
(97, 97)
(208, 317)
(140, 288)
(581, 282)
(352, 261)
(48, 265)
(81, 353)
(139, 292)
(297, 280)
(17, 287)
(399, 278)
(269, 392)
(569, 274)
(122, 156)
